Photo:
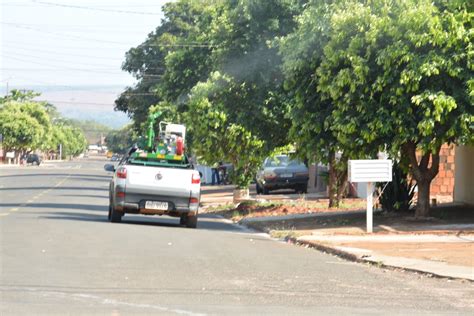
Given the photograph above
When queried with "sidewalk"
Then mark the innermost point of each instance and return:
(441, 247)
(438, 253)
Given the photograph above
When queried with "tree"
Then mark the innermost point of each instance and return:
(216, 138)
(27, 125)
(198, 41)
(19, 95)
(20, 131)
(119, 141)
(24, 125)
(310, 112)
(245, 51)
(400, 77)
(170, 61)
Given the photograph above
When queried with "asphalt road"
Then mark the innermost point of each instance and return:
(60, 256)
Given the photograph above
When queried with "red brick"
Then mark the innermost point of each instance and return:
(443, 189)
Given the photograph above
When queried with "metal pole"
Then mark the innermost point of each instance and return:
(369, 207)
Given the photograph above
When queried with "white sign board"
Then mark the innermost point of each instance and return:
(370, 170)
(367, 170)
(10, 154)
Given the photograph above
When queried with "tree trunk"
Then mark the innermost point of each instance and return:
(423, 201)
(423, 175)
(342, 185)
(332, 181)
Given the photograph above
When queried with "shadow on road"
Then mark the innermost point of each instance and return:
(72, 216)
(55, 188)
(205, 222)
(64, 206)
(78, 175)
(95, 196)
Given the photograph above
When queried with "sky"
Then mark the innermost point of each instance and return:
(58, 46)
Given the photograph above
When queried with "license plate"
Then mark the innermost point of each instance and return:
(154, 205)
(286, 175)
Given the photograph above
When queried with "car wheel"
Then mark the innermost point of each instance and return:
(303, 189)
(191, 221)
(183, 219)
(115, 216)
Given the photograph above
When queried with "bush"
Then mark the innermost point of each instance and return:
(398, 194)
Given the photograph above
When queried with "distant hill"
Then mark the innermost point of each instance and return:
(111, 119)
(83, 103)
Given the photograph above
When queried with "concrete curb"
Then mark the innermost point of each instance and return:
(375, 260)
(378, 260)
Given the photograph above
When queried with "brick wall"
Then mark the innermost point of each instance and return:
(442, 186)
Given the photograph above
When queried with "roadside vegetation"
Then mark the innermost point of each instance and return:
(251, 209)
(337, 80)
(27, 126)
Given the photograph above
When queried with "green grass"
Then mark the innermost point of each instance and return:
(281, 234)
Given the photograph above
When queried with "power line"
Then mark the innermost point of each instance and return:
(61, 54)
(62, 60)
(62, 68)
(78, 103)
(67, 36)
(70, 36)
(79, 26)
(52, 4)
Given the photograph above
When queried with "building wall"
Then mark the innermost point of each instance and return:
(464, 175)
(442, 186)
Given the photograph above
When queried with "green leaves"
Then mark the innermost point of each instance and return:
(414, 59)
(27, 125)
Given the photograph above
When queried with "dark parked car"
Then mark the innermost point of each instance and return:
(281, 172)
(33, 159)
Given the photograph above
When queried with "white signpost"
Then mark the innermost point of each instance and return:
(370, 171)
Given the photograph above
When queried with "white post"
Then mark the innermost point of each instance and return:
(369, 207)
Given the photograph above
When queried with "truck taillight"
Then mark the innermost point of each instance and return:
(196, 179)
(120, 194)
(122, 173)
(193, 200)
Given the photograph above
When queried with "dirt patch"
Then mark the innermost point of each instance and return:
(271, 209)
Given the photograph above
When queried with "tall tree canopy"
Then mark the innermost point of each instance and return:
(400, 77)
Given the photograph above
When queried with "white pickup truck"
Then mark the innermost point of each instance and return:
(145, 188)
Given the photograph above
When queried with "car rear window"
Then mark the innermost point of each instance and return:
(282, 161)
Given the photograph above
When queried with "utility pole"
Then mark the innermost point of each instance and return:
(7, 89)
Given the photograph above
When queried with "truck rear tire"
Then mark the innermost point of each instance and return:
(183, 219)
(115, 216)
(191, 221)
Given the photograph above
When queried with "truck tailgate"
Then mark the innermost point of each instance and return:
(148, 180)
